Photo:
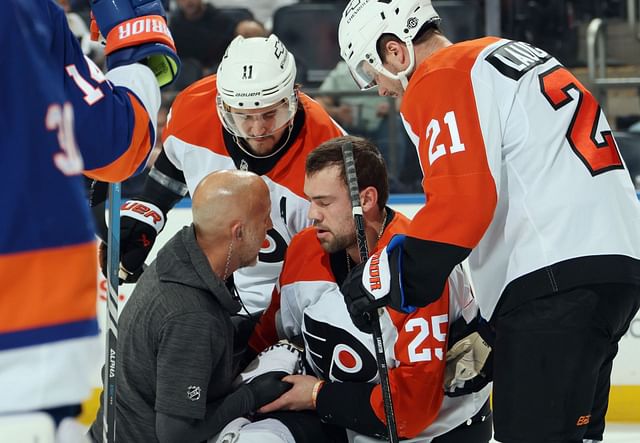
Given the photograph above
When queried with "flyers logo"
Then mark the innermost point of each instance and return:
(583, 420)
(273, 248)
(338, 355)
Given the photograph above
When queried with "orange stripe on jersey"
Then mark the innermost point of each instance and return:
(194, 118)
(417, 382)
(399, 225)
(306, 260)
(60, 294)
(137, 152)
(440, 107)
(318, 128)
(265, 333)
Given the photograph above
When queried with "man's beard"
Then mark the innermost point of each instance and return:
(339, 243)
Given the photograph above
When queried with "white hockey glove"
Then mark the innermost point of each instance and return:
(469, 360)
(284, 356)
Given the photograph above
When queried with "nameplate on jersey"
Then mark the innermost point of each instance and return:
(515, 59)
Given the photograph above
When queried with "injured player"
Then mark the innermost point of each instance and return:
(341, 389)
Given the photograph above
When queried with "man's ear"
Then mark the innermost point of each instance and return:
(236, 231)
(396, 53)
(368, 198)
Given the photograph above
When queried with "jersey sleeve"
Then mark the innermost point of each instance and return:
(455, 152)
(114, 115)
(266, 333)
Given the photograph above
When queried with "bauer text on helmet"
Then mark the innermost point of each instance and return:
(365, 21)
(256, 93)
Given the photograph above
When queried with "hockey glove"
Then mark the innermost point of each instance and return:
(469, 365)
(137, 31)
(284, 356)
(140, 223)
(267, 387)
(375, 284)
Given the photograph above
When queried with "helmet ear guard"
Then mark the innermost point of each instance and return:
(365, 21)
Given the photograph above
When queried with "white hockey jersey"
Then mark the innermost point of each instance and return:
(196, 143)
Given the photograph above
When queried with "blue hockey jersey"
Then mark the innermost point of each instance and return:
(60, 116)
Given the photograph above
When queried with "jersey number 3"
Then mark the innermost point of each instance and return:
(597, 156)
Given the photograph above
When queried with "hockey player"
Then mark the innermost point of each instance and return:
(249, 116)
(523, 176)
(61, 116)
(307, 301)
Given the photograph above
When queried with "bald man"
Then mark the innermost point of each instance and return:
(175, 335)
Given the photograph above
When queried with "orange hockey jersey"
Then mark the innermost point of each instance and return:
(308, 301)
(521, 167)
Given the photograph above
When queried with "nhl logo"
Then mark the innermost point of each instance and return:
(193, 393)
(244, 166)
(412, 22)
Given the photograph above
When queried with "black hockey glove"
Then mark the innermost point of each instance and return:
(374, 284)
(267, 387)
(97, 192)
(140, 223)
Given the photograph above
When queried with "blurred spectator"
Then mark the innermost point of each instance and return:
(201, 33)
(392, 140)
(251, 28)
(262, 9)
(359, 114)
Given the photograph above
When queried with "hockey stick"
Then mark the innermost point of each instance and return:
(113, 265)
(358, 217)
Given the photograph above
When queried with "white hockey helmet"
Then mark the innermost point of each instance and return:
(363, 22)
(255, 81)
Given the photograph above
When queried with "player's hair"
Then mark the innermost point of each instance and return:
(369, 164)
(425, 33)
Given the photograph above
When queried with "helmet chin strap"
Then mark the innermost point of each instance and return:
(403, 76)
(404, 81)
(282, 145)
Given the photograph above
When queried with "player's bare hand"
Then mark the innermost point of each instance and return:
(297, 398)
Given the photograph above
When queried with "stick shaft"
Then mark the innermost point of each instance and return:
(113, 265)
(358, 216)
